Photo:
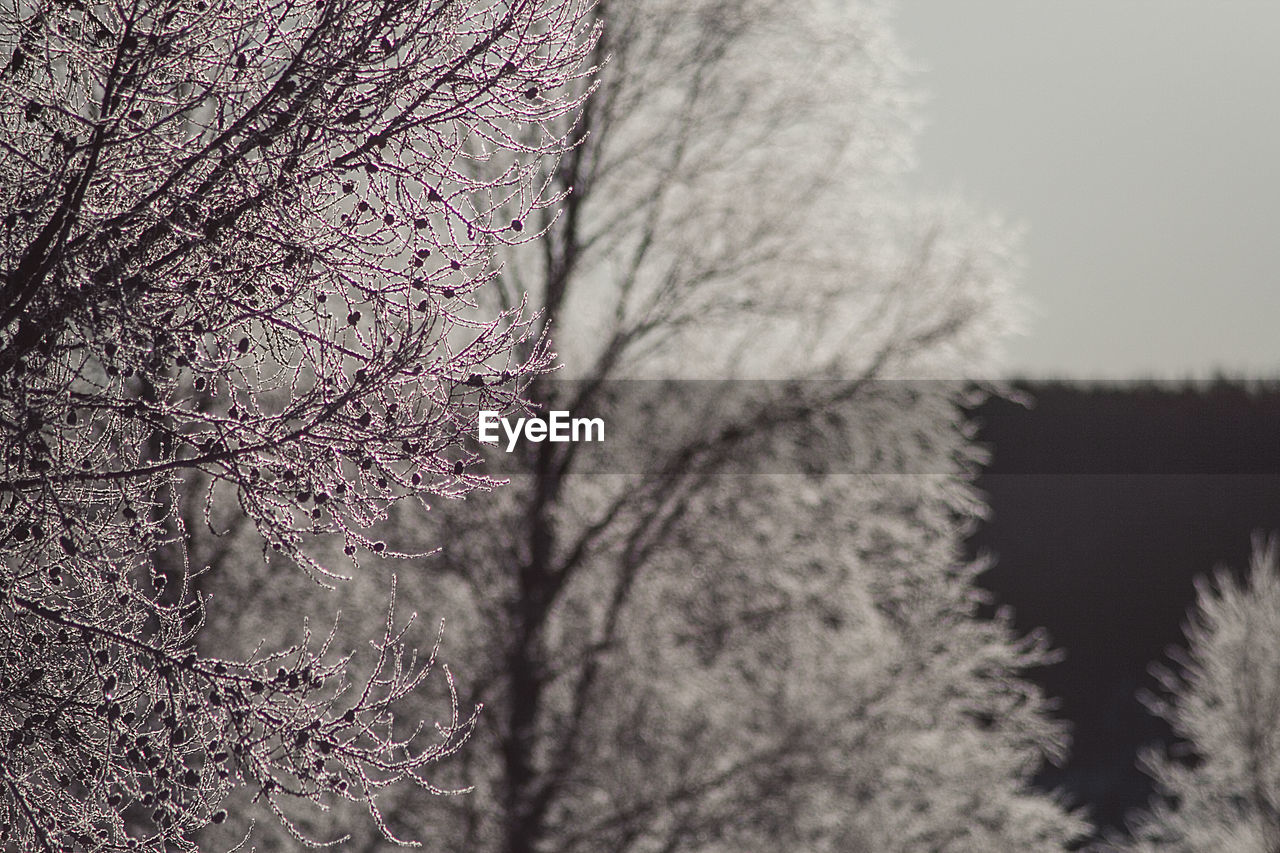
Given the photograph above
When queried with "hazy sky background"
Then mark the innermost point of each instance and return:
(1138, 142)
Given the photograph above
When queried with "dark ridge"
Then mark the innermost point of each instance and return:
(1107, 500)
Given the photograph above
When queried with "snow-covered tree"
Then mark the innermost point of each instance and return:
(747, 626)
(1218, 786)
(239, 240)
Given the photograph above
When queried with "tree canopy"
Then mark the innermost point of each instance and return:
(746, 625)
(1218, 786)
(241, 242)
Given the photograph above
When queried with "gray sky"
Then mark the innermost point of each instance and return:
(1138, 142)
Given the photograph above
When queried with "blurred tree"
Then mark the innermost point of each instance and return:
(1219, 786)
(238, 240)
(744, 625)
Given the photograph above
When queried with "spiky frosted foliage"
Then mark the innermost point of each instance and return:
(714, 635)
(1219, 786)
(728, 658)
(797, 664)
(238, 243)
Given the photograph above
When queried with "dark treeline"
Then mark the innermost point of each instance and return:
(1107, 500)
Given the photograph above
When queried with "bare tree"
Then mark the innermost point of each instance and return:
(734, 637)
(1219, 786)
(240, 244)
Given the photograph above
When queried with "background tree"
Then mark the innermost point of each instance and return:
(1219, 787)
(239, 242)
(744, 625)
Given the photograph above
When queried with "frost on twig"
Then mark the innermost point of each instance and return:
(239, 250)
